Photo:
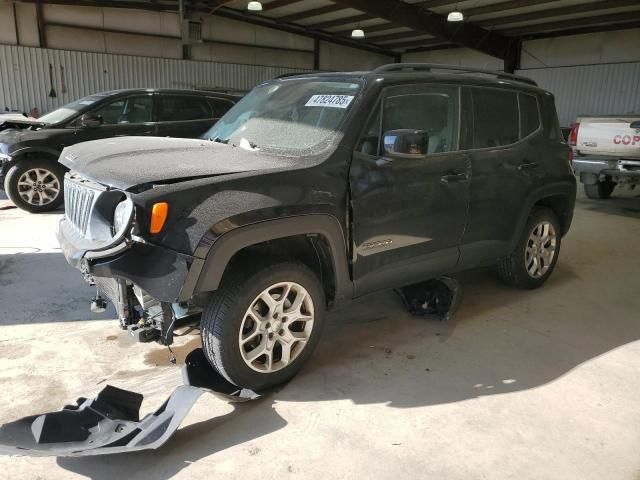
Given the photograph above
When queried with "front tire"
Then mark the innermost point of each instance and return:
(35, 186)
(600, 190)
(536, 254)
(260, 328)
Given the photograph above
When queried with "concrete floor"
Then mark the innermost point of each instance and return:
(519, 385)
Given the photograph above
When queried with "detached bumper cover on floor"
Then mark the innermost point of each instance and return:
(438, 298)
(110, 422)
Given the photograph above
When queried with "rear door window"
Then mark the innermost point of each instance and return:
(129, 110)
(177, 108)
(529, 114)
(495, 118)
(220, 106)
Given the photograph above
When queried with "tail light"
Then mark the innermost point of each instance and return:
(573, 136)
(570, 157)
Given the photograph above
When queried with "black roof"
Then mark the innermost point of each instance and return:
(411, 72)
(183, 91)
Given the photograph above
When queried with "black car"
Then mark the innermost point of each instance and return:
(29, 150)
(314, 190)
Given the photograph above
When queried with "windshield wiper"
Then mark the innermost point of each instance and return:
(219, 140)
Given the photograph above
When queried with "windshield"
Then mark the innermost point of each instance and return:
(287, 117)
(69, 110)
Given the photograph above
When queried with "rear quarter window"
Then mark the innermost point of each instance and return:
(495, 117)
(220, 106)
(550, 117)
(175, 108)
(529, 114)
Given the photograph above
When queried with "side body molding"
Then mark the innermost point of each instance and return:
(227, 245)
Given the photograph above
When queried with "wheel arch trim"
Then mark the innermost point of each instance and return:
(18, 155)
(207, 274)
(564, 189)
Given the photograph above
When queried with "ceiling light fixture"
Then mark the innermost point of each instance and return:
(455, 16)
(254, 7)
(357, 33)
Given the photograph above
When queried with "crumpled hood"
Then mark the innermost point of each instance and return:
(14, 136)
(129, 161)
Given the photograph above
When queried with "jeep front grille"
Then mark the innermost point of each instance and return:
(78, 201)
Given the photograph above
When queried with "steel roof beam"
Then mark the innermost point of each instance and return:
(294, 17)
(419, 19)
(278, 4)
(616, 18)
(557, 12)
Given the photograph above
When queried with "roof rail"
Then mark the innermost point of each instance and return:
(290, 74)
(428, 67)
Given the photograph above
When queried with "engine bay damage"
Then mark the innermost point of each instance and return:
(110, 423)
(144, 317)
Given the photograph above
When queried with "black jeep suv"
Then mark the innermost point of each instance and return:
(29, 149)
(311, 191)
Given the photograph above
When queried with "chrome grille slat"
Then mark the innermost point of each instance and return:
(78, 203)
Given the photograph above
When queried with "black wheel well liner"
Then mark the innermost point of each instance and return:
(317, 240)
(36, 154)
(559, 197)
(559, 204)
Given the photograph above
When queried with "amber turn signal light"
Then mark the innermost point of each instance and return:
(158, 216)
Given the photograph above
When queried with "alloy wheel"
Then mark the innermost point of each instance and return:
(541, 249)
(38, 186)
(276, 327)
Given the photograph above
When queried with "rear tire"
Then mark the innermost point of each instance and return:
(600, 190)
(35, 186)
(536, 254)
(247, 317)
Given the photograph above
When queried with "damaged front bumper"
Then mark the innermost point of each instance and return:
(150, 286)
(110, 422)
(161, 272)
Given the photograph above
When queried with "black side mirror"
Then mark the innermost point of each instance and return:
(635, 124)
(91, 120)
(406, 143)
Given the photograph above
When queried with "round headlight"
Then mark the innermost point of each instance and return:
(121, 216)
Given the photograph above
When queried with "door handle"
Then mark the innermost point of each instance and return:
(453, 178)
(527, 166)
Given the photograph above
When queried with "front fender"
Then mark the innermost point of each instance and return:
(24, 153)
(206, 275)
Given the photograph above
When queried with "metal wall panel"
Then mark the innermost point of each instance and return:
(591, 89)
(24, 75)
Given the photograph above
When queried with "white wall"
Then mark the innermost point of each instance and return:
(337, 57)
(7, 30)
(218, 29)
(25, 83)
(456, 56)
(156, 34)
(27, 24)
(107, 48)
(586, 49)
(595, 73)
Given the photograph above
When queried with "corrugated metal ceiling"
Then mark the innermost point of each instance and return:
(526, 19)
(493, 15)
